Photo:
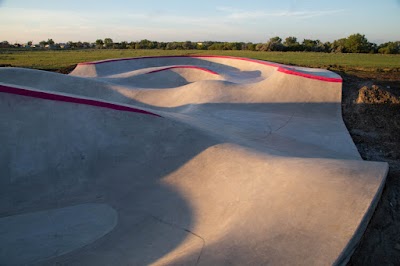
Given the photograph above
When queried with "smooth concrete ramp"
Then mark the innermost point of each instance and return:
(199, 160)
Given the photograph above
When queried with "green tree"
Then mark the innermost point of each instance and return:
(338, 46)
(145, 44)
(313, 46)
(108, 43)
(249, 46)
(123, 45)
(132, 45)
(357, 43)
(72, 44)
(4, 44)
(43, 43)
(216, 46)
(86, 45)
(274, 44)
(187, 45)
(236, 45)
(170, 46)
(204, 45)
(99, 43)
(261, 47)
(79, 44)
(327, 47)
(389, 48)
(161, 45)
(291, 44)
(308, 45)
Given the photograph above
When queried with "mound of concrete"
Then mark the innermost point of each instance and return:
(202, 160)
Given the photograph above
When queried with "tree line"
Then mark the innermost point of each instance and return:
(355, 43)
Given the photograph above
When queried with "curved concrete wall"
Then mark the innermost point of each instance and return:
(191, 160)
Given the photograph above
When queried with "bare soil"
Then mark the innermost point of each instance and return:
(371, 112)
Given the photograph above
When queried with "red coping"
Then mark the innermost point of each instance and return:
(192, 67)
(280, 67)
(64, 98)
(306, 75)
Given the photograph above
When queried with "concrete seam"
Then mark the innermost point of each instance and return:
(186, 230)
(286, 123)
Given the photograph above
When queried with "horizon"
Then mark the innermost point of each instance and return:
(86, 21)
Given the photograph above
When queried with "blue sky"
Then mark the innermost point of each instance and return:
(169, 20)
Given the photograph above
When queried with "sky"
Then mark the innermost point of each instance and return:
(202, 20)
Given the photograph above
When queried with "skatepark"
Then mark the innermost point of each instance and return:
(180, 160)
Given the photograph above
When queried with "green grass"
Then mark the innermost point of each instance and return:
(51, 60)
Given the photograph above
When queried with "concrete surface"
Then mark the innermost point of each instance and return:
(200, 160)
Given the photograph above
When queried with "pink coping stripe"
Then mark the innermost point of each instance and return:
(279, 66)
(306, 75)
(192, 67)
(64, 98)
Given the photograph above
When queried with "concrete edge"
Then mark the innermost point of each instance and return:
(353, 243)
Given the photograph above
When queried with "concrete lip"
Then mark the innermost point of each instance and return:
(207, 160)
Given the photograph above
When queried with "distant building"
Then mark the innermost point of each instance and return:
(64, 46)
(49, 46)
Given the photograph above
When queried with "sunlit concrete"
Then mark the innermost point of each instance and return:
(200, 160)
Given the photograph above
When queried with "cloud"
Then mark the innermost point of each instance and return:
(309, 14)
(233, 13)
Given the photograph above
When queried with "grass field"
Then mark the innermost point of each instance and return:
(52, 60)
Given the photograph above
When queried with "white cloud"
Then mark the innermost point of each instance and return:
(234, 13)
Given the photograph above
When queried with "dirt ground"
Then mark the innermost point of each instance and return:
(371, 111)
